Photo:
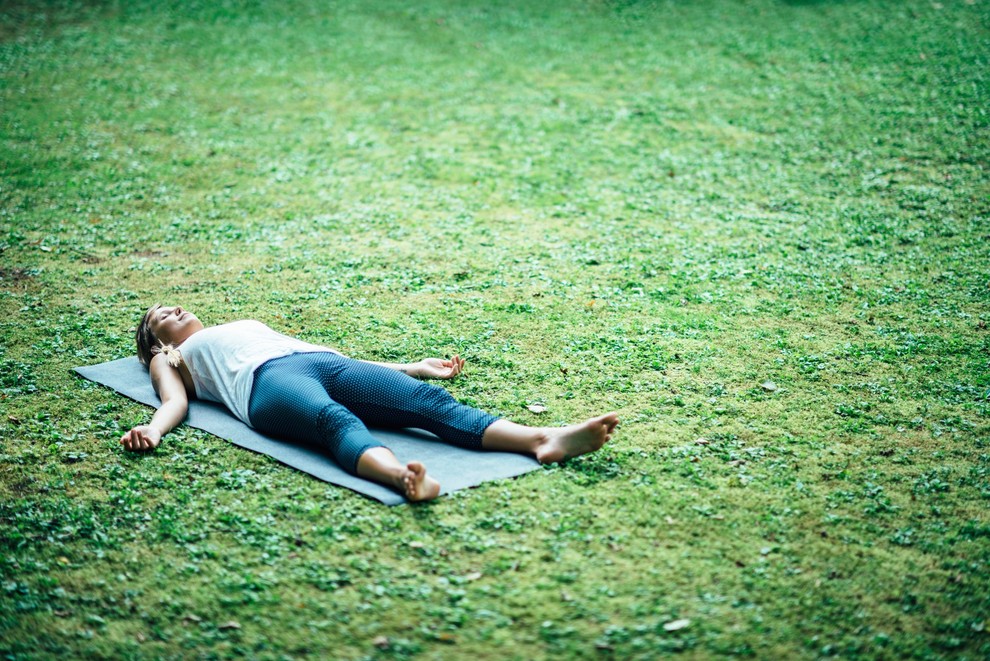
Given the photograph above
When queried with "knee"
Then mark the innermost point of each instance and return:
(334, 419)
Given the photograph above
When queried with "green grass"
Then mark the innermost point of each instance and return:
(652, 207)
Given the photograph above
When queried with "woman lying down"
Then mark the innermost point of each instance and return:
(306, 393)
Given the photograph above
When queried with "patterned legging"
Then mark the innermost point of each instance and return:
(326, 400)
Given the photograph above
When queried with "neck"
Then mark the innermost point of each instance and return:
(186, 334)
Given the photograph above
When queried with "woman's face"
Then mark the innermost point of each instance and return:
(172, 324)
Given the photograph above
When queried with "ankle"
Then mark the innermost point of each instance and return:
(542, 443)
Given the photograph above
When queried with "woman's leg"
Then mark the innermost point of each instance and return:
(550, 444)
(380, 465)
(287, 401)
(384, 397)
(381, 396)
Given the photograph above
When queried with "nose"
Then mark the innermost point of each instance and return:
(177, 311)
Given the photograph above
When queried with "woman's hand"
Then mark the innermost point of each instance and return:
(438, 368)
(142, 438)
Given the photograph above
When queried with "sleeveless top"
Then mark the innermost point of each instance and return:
(222, 360)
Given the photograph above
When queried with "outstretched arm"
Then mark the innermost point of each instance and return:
(175, 403)
(428, 368)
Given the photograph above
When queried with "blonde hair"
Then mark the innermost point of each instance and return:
(148, 344)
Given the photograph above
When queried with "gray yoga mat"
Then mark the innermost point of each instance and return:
(455, 468)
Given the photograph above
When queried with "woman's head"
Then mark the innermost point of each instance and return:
(162, 329)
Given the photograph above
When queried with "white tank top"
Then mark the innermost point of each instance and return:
(222, 360)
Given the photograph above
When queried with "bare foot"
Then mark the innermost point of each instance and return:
(564, 443)
(416, 484)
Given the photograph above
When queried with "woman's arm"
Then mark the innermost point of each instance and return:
(175, 403)
(428, 368)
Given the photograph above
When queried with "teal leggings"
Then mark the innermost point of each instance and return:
(327, 400)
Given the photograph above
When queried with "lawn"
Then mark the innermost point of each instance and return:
(756, 229)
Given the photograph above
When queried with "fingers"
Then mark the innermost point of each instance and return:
(128, 439)
(444, 368)
(132, 440)
(137, 440)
